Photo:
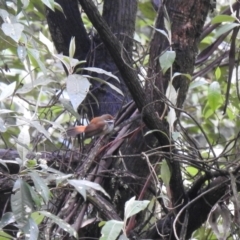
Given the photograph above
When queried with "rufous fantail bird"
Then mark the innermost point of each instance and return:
(97, 126)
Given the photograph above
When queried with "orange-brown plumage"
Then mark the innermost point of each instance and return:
(97, 126)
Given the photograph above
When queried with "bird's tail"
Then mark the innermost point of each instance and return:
(74, 131)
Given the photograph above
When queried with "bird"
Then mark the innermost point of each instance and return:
(97, 126)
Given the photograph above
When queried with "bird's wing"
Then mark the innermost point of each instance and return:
(93, 130)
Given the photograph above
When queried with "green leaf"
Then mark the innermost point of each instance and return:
(37, 217)
(214, 96)
(6, 17)
(13, 30)
(225, 28)
(111, 230)
(49, 3)
(41, 187)
(8, 91)
(25, 4)
(35, 197)
(192, 170)
(41, 81)
(198, 83)
(218, 73)
(207, 111)
(83, 185)
(163, 32)
(37, 125)
(3, 111)
(68, 106)
(223, 18)
(61, 178)
(166, 60)
(123, 237)
(133, 207)
(61, 223)
(22, 52)
(165, 172)
(21, 202)
(58, 7)
(175, 135)
(5, 236)
(101, 71)
(23, 142)
(68, 62)
(35, 54)
(77, 89)
(7, 218)
(167, 24)
(231, 113)
(176, 74)
(105, 82)
(171, 93)
(72, 47)
(30, 230)
(147, 9)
